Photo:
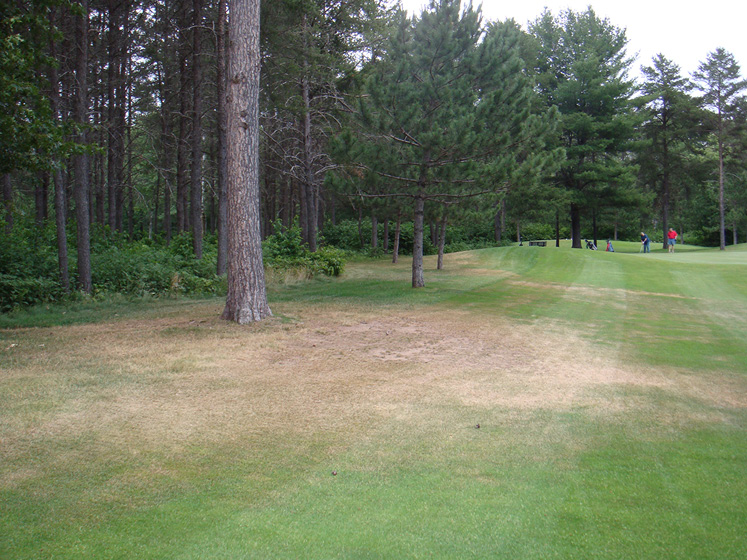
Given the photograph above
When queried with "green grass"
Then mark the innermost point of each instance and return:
(651, 470)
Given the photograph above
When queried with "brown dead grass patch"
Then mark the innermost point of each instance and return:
(183, 380)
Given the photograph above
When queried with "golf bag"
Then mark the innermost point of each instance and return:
(590, 245)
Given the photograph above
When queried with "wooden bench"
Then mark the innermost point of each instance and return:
(538, 243)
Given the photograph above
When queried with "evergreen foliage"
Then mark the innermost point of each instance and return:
(447, 116)
(583, 70)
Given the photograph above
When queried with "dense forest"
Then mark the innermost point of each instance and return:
(379, 131)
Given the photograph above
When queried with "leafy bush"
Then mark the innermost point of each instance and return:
(330, 261)
(285, 250)
(23, 292)
(537, 231)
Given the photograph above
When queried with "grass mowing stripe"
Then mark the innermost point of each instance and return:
(650, 465)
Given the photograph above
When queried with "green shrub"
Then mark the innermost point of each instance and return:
(285, 250)
(330, 261)
(22, 292)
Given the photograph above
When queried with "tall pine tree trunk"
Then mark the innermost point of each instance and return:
(594, 225)
(196, 177)
(247, 298)
(397, 230)
(441, 243)
(182, 223)
(418, 281)
(575, 226)
(309, 188)
(41, 188)
(665, 194)
(113, 152)
(221, 105)
(59, 186)
(374, 231)
(721, 208)
(81, 160)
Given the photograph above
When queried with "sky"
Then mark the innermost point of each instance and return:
(684, 32)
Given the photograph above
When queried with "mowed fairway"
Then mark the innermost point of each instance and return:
(609, 389)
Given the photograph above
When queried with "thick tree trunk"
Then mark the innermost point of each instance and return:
(441, 243)
(196, 177)
(418, 281)
(81, 160)
(594, 225)
(221, 121)
(575, 226)
(247, 298)
(557, 228)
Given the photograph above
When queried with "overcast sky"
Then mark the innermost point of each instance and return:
(684, 32)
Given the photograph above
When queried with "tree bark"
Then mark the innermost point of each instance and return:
(181, 151)
(721, 207)
(386, 236)
(81, 160)
(41, 188)
(196, 177)
(594, 226)
(113, 150)
(246, 301)
(59, 186)
(418, 281)
(575, 226)
(441, 243)
(374, 231)
(221, 105)
(309, 181)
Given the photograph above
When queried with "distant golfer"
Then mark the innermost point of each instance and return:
(645, 243)
(671, 239)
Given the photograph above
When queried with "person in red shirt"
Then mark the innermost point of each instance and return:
(671, 239)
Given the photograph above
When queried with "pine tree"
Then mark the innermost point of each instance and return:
(719, 80)
(246, 301)
(582, 67)
(669, 130)
(447, 116)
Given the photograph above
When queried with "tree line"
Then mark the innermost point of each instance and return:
(114, 122)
